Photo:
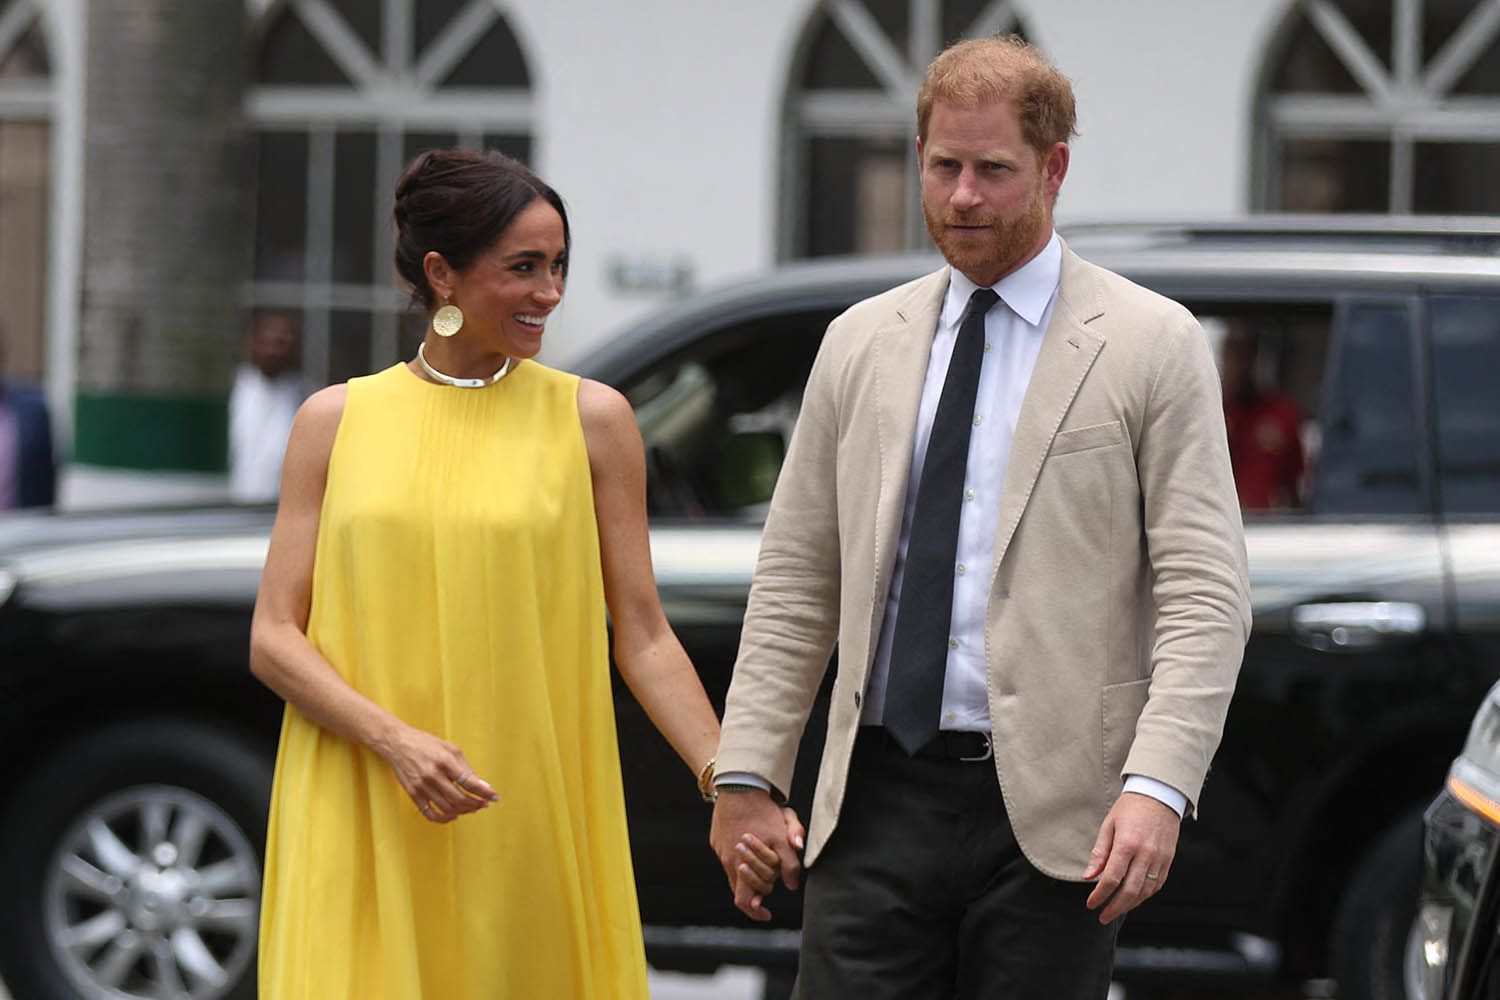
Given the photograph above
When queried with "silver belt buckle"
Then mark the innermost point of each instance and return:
(989, 751)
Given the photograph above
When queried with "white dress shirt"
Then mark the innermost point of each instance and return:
(1013, 331)
(261, 411)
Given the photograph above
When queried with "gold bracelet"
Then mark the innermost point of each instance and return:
(706, 780)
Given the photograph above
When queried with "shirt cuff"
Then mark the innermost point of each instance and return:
(742, 778)
(1160, 791)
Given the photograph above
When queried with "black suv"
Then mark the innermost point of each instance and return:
(137, 748)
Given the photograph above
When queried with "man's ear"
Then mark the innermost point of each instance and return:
(1055, 168)
(440, 276)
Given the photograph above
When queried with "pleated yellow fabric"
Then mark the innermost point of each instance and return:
(457, 584)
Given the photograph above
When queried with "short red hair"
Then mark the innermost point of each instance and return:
(1003, 68)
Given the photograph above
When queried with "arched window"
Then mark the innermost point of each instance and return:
(346, 92)
(25, 169)
(849, 169)
(1383, 106)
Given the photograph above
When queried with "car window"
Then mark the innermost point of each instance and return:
(1465, 363)
(716, 419)
(1272, 361)
(1318, 422)
(1368, 460)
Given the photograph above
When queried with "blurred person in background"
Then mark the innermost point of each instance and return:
(1264, 426)
(28, 474)
(267, 391)
(448, 818)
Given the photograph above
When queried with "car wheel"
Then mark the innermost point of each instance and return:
(1375, 948)
(132, 868)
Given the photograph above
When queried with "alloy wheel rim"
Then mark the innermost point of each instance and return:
(153, 894)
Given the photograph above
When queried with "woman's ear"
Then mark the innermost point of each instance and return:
(440, 276)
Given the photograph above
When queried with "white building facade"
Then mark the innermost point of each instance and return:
(699, 141)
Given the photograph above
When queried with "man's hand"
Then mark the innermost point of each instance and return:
(740, 816)
(1133, 854)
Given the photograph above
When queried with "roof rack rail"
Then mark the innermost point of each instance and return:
(1457, 227)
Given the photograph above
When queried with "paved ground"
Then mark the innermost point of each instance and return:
(727, 984)
(732, 984)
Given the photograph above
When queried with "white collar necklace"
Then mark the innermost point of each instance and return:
(443, 378)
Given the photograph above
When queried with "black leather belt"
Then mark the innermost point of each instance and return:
(966, 747)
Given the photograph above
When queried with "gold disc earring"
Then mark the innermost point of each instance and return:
(447, 321)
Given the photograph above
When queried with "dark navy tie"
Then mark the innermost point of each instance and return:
(919, 648)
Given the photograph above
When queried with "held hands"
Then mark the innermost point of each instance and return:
(436, 775)
(1132, 855)
(755, 841)
(760, 864)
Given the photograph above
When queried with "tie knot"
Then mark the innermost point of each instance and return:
(981, 302)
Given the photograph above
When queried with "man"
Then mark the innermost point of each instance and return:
(1264, 427)
(1013, 510)
(267, 391)
(28, 475)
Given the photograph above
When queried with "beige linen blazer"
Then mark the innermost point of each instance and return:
(1119, 605)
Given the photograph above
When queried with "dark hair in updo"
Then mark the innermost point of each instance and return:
(458, 202)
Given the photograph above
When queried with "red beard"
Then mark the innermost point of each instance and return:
(989, 256)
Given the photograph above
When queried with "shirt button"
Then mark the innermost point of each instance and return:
(960, 569)
(978, 420)
(952, 643)
(986, 347)
(949, 719)
(968, 494)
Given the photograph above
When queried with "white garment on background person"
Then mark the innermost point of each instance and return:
(260, 419)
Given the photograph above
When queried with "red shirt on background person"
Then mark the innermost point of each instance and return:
(1265, 446)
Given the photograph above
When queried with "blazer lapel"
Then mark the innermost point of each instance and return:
(901, 348)
(1068, 352)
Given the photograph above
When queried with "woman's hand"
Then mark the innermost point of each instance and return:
(436, 775)
(759, 865)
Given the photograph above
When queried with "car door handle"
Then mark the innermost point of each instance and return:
(1357, 625)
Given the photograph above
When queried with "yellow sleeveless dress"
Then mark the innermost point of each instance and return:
(457, 583)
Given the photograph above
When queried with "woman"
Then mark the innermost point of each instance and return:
(447, 820)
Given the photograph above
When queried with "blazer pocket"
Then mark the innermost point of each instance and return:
(1121, 710)
(1086, 438)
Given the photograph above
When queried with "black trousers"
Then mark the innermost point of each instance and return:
(923, 893)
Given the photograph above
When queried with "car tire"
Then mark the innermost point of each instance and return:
(133, 857)
(1370, 950)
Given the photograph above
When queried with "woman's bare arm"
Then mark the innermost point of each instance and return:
(284, 659)
(647, 652)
